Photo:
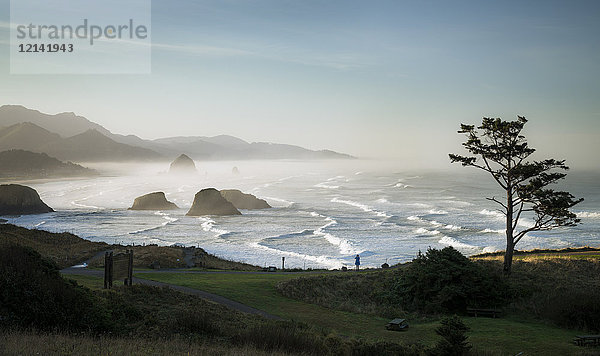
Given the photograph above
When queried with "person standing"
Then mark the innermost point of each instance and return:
(357, 262)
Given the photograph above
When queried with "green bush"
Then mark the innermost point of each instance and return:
(454, 341)
(442, 281)
(33, 294)
(564, 291)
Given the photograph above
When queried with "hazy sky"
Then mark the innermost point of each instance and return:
(370, 78)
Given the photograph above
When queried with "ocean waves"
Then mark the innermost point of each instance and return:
(167, 217)
(343, 246)
(361, 206)
(208, 225)
(321, 215)
(588, 215)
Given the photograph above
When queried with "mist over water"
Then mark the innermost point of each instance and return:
(323, 212)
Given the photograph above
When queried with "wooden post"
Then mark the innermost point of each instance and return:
(130, 268)
(110, 270)
(126, 279)
(105, 270)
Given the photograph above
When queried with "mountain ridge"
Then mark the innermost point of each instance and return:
(68, 126)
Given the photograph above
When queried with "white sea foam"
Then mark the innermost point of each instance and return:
(452, 227)
(208, 225)
(457, 203)
(75, 202)
(361, 206)
(437, 212)
(450, 241)
(489, 249)
(169, 219)
(588, 214)
(326, 186)
(500, 216)
(321, 260)
(501, 231)
(344, 246)
(336, 178)
(423, 231)
(288, 203)
(494, 213)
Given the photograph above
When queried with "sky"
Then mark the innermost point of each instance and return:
(371, 78)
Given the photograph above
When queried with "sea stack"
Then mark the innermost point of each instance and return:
(235, 170)
(18, 199)
(183, 165)
(210, 202)
(244, 201)
(153, 201)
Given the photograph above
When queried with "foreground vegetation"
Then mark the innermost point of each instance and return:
(33, 295)
(547, 301)
(37, 343)
(565, 292)
(66, 250)
(508, 335)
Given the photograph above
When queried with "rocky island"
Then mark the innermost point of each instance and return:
(244, 201)
(182, 165)
(210, 202)
(153, 201)
(18, 199)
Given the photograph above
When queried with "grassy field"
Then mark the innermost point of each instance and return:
(499, 336)
(91, 282)
(30, 343)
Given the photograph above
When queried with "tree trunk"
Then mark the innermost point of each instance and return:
(508, 255)
(510, 246)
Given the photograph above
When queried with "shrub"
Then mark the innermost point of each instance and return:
(282, 336)
(33, 294)
(564, 291)
(447, 281)
(454, 341)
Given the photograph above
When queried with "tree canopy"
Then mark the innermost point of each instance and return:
(499, 148)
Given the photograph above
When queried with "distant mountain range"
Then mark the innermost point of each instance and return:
(19, 164)
(67, 136)
(88, 146)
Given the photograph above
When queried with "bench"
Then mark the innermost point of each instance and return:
(587, 340)
(492, 313)
(397, 325)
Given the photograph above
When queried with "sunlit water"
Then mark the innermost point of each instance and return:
(324, 213)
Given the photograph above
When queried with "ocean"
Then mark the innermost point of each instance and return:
(324, 213)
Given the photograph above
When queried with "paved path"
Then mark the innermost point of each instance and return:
(200, 293)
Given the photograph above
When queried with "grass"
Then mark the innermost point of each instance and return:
(546, 256)
(569, 252)
(34, 343)
(66, 250)
(500, 336)
(91, 282)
